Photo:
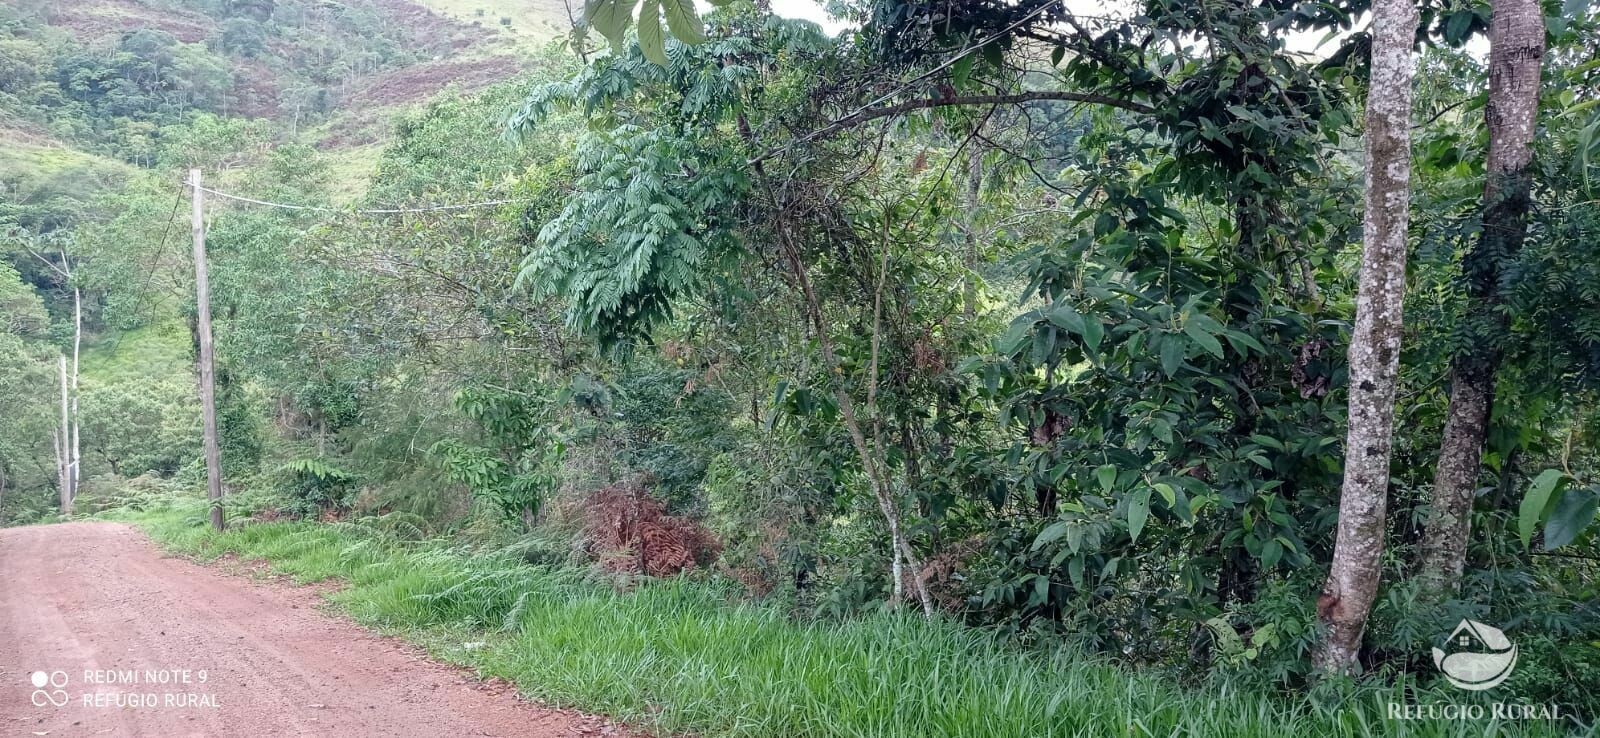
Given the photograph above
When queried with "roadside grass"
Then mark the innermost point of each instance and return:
(680, 657)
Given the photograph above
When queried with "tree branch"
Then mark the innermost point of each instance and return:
(864, 116)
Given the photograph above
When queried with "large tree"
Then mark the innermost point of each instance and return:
(1516, 51)
(1374, 356)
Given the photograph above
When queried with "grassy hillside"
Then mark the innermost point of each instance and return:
(113, 76)
(46, 182)
(536, 20)
(335, 75)
(158, 350)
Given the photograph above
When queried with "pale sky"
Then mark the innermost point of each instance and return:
(1309, 43)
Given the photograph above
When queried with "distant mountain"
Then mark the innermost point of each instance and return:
(87, 84)
(108, 74)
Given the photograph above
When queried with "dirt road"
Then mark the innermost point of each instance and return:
(102, 635)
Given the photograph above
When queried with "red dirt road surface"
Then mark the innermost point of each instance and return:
(119, 637)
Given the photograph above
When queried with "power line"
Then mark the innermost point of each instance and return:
(150, 269)
(365, 211)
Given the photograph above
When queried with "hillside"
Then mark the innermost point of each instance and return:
(107, 80)
(103, 103)
(535, 20)
(992, 369)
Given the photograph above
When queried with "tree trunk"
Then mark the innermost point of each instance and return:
(1516, 51)
(1375, 343)
(902, 555)
(64, 445)
(969, 233)
(76, 463)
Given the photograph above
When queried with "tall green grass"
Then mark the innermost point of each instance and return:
(676, 656)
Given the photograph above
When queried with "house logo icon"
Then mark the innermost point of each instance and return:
(1479, 657)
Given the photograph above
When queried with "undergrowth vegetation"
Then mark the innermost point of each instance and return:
(683, 375)
(686, 655)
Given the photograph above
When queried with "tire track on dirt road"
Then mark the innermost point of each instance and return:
(95, 603)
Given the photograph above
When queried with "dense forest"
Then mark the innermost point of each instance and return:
(1242, 343)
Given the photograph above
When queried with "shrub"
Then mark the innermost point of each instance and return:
(630, 532)
(315, 486)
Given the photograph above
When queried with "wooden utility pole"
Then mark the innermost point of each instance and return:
(208, 392)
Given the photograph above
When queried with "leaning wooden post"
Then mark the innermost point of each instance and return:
(208, 392)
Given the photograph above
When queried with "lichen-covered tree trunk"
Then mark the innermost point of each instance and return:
(1516, 52)
(1375, 343)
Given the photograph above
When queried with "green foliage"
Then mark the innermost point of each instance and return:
(613, 17)
(884, 675)
(27, 372)
(1564, 510)
(1085, 354)
(517, 472)
(316, 486)
(641, 233)
(131, 427)
(125, 96)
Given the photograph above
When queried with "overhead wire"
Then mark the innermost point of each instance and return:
(359, 211)
(150, 272)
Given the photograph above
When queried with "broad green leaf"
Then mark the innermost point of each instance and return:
(1093, 331)
(1267, 441)
(1571, 515)
(1075, 535)
(610, 18)
(651, 41)
(1041, 590)
(961, 71)
(777, 403)
(1243, 341)
(1206, 340)
(1044, 344)
(1138, 512)
(1171, 355)
(1167, 493)
(1051, 532)
(1011, 342)
(1063, 316)
(1107, 476)
(1534, 504)
(685, 23)
(1226, 638)
(1271, 554)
